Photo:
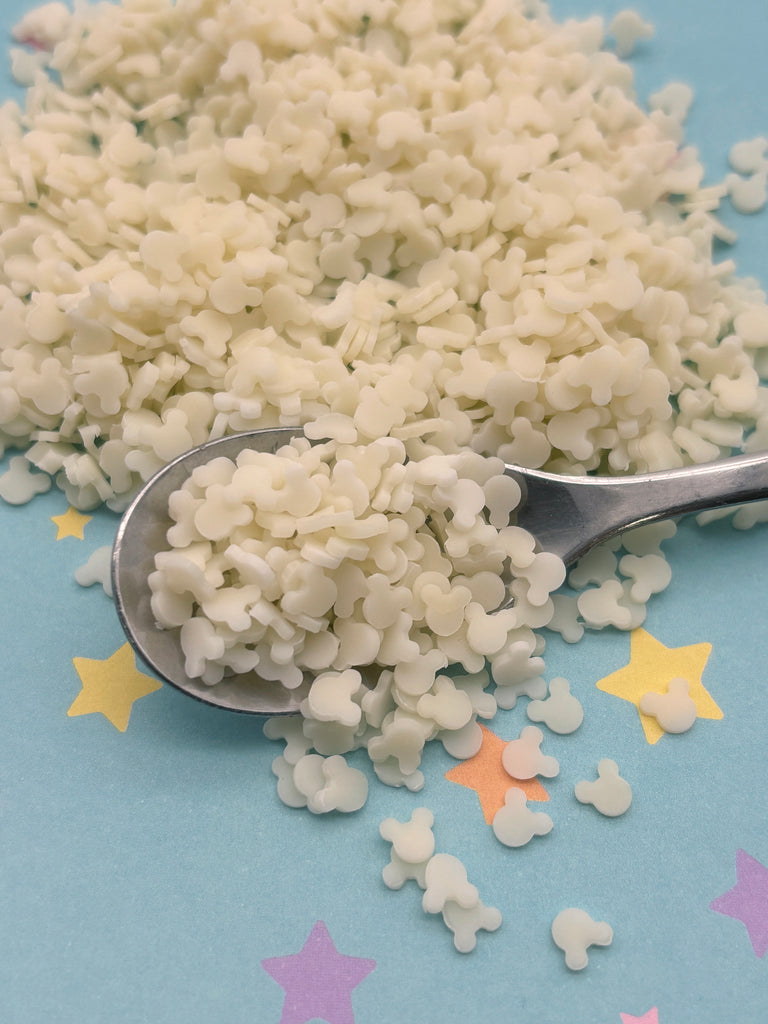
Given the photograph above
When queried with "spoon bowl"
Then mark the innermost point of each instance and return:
(140, 536)
(568, 515)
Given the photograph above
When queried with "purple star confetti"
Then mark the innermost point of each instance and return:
(747, 901)
(318, 981)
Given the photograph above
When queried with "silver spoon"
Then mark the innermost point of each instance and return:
(567, 515)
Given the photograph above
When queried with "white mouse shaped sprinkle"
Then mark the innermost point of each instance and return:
(330, 784)
(515, 824)
(289, 728)
(522, 758)
(674, 710)
(447, 880)
(330, 698)
(574, 931)
(609, 793)
(413, 844)
(20, 483)
(465, 922)
(412, 840)
(97, 570)
(561, 711)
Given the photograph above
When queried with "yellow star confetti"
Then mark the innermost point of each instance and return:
(651, 668)
(110, 686)
(71, 524)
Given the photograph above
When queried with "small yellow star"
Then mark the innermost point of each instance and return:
(71, 524)
(651, 668)
(110, 686)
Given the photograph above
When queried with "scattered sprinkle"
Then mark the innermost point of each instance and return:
(522, 758)
(97, 570)
(561, 712)
(574, 931)
(610, 794)
(675, 710)
(515, 824)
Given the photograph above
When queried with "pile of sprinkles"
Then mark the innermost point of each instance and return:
(435, 235)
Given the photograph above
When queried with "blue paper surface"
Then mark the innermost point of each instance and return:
(146, 874)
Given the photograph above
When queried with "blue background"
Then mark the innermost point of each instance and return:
(145, 875)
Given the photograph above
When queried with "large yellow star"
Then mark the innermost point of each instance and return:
(71, 524)
(486, 775)
(651, 668)
(110, 686)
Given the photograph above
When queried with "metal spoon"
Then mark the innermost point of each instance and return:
(568, 515)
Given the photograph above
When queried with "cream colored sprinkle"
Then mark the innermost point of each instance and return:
(522, 758)
(20, 483)
(97, 569)
(610, 794)
(515, 824)
(674, 710)
(628, 28)
(574, 931)
(561, 712)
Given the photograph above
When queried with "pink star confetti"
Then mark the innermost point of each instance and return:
(747, 901)
(651, 1017)
(318, 981)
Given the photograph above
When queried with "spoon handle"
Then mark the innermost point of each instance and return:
(569, 515)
